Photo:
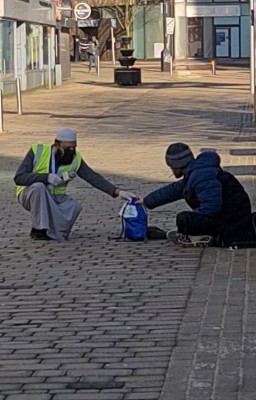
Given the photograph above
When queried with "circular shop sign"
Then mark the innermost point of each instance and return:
(82, 11)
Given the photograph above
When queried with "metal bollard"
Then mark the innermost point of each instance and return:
(18, 94)
(171, 66)
(1, 112)
(213, 64)
(98, 65)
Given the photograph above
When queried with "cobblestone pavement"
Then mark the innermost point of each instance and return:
(97, 319)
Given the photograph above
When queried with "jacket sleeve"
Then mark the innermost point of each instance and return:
(209, 195)
(166, 194)
(25, 176)
(95, 179)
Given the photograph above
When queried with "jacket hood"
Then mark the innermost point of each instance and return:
(205, 160)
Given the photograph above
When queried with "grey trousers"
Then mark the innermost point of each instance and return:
(55, 213)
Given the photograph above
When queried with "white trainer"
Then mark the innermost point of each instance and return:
(194, 241)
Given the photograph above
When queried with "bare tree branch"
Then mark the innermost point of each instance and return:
(124, 10)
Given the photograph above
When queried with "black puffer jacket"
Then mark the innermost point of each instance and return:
(207, 189)
(236, 204)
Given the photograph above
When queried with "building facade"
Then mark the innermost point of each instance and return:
(65, 23)
(212, 29)
(27, 43)
(204, 29)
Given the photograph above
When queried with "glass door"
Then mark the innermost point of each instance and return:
(222, 42)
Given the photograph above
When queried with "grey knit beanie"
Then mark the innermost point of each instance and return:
(178, 155)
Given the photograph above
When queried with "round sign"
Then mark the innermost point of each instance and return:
(82, 11)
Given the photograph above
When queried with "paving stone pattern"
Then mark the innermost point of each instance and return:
(99, 319)
(215, 352)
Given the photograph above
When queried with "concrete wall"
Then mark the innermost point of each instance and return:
(34, 11)
(35, 79)
(8, 86)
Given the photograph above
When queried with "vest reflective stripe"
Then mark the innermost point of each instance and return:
(42, 160)
(37, 152)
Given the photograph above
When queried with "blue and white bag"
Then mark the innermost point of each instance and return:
(134, 221)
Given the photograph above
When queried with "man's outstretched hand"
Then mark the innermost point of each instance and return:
(127, 196)
(123, 195)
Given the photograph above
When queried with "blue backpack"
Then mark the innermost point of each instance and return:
(134, 221)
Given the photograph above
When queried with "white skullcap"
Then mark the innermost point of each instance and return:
(66, 135)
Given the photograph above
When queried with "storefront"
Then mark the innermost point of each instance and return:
(27, 43)
(202, 30)
(148, 32)
(212, 31)
(7, 65)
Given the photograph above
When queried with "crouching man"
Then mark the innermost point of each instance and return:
(42, 179)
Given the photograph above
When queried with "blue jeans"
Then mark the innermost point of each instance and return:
(92, 61)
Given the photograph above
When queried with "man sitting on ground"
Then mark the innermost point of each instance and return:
(219, 202)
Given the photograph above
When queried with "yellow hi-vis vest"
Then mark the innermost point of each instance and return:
(42, 159)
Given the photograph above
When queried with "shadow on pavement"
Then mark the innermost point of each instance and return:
(167, 85)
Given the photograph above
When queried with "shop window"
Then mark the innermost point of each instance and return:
(6, 48)
(195, 35)
(33, 46)
(153, 32)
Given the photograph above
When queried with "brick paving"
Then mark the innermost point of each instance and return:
(93, 318)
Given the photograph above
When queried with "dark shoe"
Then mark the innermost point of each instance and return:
(155, 233)
(39, 234)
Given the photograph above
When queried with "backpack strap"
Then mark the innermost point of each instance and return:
(121, 237)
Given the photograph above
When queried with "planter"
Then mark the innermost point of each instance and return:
(127, 62)
(126, 52)
(125, 40)
(128, 77)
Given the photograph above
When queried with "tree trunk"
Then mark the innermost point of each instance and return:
(127, 20)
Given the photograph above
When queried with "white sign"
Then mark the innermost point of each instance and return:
(113, 22)
(213, 11)
(82, 11)
(158, 47)
(170, 25)
(87, 23)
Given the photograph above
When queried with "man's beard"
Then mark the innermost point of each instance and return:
(66, 158)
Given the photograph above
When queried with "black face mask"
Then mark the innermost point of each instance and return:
(66, 158)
